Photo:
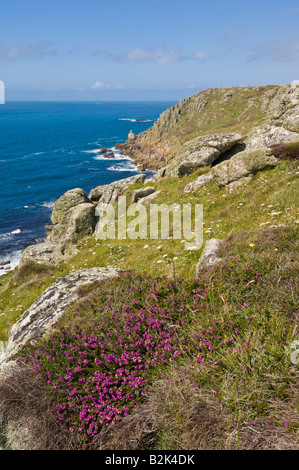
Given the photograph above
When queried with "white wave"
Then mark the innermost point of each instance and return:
(116, 157)
(123, 167)
(135, 120)
(8, 235)
(14, 259)
(91, 151)
(48, 205)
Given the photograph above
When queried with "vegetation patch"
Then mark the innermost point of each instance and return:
(190, 364)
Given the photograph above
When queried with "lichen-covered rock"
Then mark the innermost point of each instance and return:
(50, 306)
(70, 199)
(243, 164)
(109, 193)
(78, 223)
(290, 119)
(43, 253)
(209, 255)
(149, 198)
(73, 218)
(200, 152)
(268, 135)
(236, 171)
(201, 181)
(142, 192)
(159, 174)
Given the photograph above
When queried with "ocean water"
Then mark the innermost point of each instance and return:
(48, 148)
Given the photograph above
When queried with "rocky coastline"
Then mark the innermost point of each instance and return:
(220, 146)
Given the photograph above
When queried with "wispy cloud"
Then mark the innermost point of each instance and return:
(100, 85)
(201, 56)
(26, 51)
(97, 85)
(159, 56)
(232, 35)
(282, 50)
(142, 55)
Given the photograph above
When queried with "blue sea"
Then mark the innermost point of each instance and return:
(47, 148)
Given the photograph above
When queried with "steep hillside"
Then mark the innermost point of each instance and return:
(237, 110)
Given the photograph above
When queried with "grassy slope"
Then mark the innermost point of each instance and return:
(243, 210)
(250, 401)
(206, 113)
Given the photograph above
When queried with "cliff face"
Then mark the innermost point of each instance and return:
(221, 110)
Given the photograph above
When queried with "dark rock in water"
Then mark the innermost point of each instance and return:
(109, 155)
(7, 269)
(102, 150)
(120, 146)
(141, 120)
(4, 263)
(40, 240)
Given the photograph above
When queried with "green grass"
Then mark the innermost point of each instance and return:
(245, 210)
(233, 116)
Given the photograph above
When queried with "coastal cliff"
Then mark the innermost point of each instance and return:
(184, 348)
(238, 109)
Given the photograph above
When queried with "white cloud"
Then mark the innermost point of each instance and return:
(201, 56)
(26, 51)
(160, 56)
(97, 85)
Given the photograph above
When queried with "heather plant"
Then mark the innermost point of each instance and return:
(101, 362)
(286, 151)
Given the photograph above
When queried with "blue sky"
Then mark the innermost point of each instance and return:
(144, 50)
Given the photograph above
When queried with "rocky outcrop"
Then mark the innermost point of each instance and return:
(142, 192)
(240, 168)
(102, 150)
(43, 253)
(209, 255)
(212, 111)
(242, 165)
(109, 155)
(109, 193)
(267, 135)
(149, 198)
(200, 152)
(203, 180)
(131, 136)
(50, 307)
(73, 218)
